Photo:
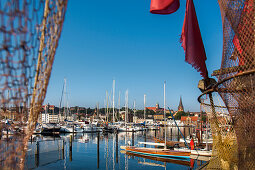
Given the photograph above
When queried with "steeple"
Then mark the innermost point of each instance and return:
(180, 107)
(157, 106)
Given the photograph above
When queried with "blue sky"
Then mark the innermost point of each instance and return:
(122, 40)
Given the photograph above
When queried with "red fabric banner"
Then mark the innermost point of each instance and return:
(192, 41)
(192, 146)
(164, 6)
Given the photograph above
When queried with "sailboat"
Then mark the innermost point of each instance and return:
(68, 126)
(158, 152)
(113, 127)
(126, 127)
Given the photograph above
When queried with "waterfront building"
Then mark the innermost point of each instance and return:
(49, 118)
(159, 117)
(189, 120)
(140, 120)
(13, 113)
(135, 119)
(122, 115)
(157, 109)
(195, 114)
(8, 114)
(48, 114)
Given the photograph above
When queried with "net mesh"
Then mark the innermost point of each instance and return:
(29, 35)
(234, 147)
(224, 151)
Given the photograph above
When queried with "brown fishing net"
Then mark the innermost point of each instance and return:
(224, 151)
(235, 148)
(29, 34)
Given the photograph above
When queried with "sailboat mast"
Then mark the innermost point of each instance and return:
(126, 105)
(165, 110)
(113, 92)
(107, 105)
(134, 110)
(97, 109)
(144, 100)
(65, 100)
(61, 99)
(119, 106)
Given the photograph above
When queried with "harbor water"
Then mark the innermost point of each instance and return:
(100, 151)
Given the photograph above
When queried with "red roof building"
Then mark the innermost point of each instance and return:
(188, 120)
(157, 109)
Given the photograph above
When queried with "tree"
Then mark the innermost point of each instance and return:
(139, 113)
(149, 112)
(179, 114)
(203, 114)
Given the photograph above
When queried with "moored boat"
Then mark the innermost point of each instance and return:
(161, 159)
(50, 128)
(91, 128)
(196, 152)
(155, 152)
(170, 143)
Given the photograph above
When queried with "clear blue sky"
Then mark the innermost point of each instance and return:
(121, 40)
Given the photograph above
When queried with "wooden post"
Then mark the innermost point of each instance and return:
(178, 137)
(98, 150)
(63, 144)
(63, 149)
(37, 151)
(71, 149)
(164, 133)
(171, 133)
(117, 147)
(71, 140)
(144, 139)
(133, 136)
(201, 130)
(37, 148)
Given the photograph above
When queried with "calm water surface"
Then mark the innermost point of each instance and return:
(99, 151)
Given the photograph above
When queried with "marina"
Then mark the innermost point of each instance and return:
(97, 150)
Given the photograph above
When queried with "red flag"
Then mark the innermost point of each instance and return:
(164, 6)
(192, 146)
(192, 41)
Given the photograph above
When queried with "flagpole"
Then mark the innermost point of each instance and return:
(165, 109)
(134, 113)
(113, 114)
(144, 100)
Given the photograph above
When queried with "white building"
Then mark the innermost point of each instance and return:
(45, 118)
(49, 118)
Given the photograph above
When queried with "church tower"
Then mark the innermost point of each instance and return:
(157, 106)
(180, 107)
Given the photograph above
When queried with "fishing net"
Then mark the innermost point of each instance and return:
(224, 151)
(29, 35)
(235, 86)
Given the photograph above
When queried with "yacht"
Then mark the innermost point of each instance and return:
(50, 128)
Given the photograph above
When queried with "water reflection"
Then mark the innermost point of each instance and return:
(100, 151)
